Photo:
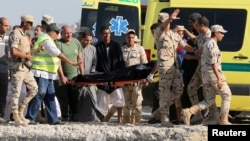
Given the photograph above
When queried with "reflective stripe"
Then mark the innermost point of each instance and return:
(42, 55)
(44, 63)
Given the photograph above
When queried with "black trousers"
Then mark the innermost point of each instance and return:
(67, 96)
(4, 91)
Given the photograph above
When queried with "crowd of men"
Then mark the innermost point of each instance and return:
(44, 65)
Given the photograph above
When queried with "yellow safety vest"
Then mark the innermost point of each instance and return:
(42, 60)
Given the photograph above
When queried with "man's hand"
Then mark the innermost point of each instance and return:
(28, 56)
(219, 84)
(76, 64)
(173, 16)
(64, 80)
(150, 77)
(42, 48)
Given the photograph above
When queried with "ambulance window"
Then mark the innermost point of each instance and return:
(233, 20)
(119, 18)
(88, 18)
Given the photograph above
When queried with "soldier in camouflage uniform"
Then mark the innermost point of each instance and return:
(133, 54)
(213, 79)
(20, 54)
(170, 78)
(196, 80)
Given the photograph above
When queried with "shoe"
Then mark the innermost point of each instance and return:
(3, 120)
(32, 122)
(154, 121)
(177, 122)
(41, 120)
(186, 114)
(57, 123)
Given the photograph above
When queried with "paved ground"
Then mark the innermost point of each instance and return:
(105, 131)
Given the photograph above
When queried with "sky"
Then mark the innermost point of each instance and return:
(63, 11)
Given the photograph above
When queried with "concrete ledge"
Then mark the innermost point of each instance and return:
(102, 132)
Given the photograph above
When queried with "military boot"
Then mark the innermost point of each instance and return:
(188, 112)
(137, 119)
(224, 120)
(132, 119)
(21, 113)
(18, 121)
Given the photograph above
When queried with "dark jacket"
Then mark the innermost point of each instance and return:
(111, 61)
(107, 62)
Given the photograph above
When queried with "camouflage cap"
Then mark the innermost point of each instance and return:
(218, 28)
(163, 16)
(48, 19)
(179, 27)
(27, 18)
(130, 31)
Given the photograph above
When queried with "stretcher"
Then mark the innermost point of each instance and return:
(110, 84)
(117, 78)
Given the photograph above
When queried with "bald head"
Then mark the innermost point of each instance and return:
(66, 33)
(4, 25)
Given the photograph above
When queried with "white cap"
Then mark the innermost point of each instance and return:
(163, 16)
(218, 28)
(47, 19)
(27, 18)
(131, 31)
(179, 27)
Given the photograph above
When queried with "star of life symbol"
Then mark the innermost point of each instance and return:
(94, 39)
(94, 27)
(118, 25)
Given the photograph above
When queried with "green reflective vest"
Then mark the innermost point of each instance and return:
(42, 60)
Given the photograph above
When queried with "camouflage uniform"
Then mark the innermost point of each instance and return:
(212, 55)
(196, 81)
(133, 92)
(20, 72)
(170, 78)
